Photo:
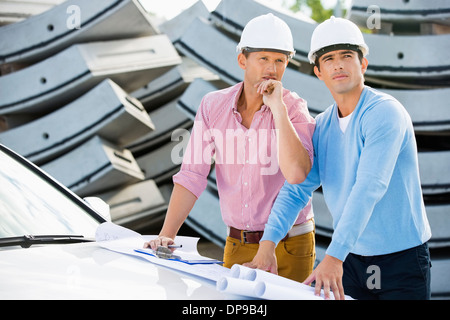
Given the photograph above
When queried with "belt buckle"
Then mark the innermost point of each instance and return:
(244, 236)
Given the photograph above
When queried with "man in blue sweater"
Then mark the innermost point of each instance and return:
(365, 159)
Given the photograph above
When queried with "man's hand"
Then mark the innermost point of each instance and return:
(272, 92)
(265, 258)
(159, 241)
(329, 275)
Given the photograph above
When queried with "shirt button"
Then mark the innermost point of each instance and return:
(246, 205)
(245, 183)
(246, 161)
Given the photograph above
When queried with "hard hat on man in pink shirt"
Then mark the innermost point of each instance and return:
(267, 33)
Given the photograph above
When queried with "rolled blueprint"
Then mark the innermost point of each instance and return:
(236, 286)
(265, 285)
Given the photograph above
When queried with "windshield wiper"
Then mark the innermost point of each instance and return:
(26, 241)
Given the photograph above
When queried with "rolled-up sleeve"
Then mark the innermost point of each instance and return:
(196, 163)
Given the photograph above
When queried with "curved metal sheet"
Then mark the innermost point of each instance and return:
(167, 119)
(400, 11)
(440, 281)
(172, 84)
(205, 218)
(130, 63)
(434, 168)
(233, 15)
(164, 161)
(73, 21)
(116, 117)
(390, 56)
(14, 11)
(138, 204)
(94, 167)
(220, 58)
(193, 95)
(175, 27)
(428, 108)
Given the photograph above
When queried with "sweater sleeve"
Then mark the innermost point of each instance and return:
(383, 129)
(291, 199)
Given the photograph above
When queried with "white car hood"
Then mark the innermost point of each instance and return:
(87, 271)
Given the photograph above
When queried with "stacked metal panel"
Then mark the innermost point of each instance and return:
(71, 22)
(89, 90)
(67, 75)
(107, 108)
(18, 10)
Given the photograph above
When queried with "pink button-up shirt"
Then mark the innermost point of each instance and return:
(248, 176)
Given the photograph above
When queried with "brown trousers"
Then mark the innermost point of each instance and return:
(295, 256)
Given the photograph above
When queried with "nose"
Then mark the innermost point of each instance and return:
(272, 68)
(338, 64)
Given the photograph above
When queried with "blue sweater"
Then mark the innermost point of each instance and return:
(369, 177)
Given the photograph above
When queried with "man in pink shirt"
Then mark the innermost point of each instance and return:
(260, 134)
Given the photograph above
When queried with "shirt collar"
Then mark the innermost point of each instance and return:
(237, 94)
(239, 88)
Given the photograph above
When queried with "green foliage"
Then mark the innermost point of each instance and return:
(318, 12)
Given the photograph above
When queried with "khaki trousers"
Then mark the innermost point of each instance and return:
(295, 256)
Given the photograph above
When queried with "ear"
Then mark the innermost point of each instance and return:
(317, 73)
(364, 64)
(242, 61)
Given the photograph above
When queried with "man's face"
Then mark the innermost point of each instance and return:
(341, 70)
(263, 65)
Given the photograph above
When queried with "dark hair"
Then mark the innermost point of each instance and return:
(325, 50)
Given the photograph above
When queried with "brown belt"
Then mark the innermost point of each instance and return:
(255, 236)
(248, 236)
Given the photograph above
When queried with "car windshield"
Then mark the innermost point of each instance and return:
(31, 205)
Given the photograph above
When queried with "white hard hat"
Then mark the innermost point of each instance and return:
(336, 31)
(267, 33)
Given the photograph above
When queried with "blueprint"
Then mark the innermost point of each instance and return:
(239, 280)
(120, 239)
